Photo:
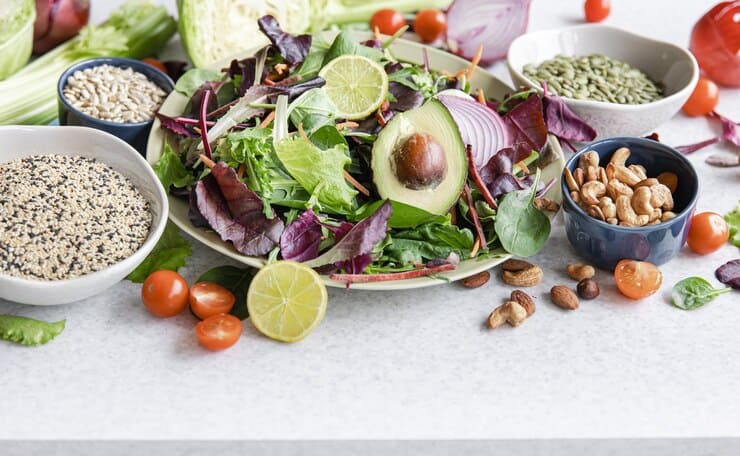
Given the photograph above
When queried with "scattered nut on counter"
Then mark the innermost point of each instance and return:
(524, 300)
(588, 289)
(621, 194)
(510, 312)
(580, 271)
(564, 297)
(520, 273)
(476, 280)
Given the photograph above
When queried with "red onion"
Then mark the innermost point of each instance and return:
(58, 21)
(491, 23)
(479, 125)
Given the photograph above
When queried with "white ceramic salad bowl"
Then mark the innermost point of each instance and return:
(403, 50)
(666, 63)
(23, 141)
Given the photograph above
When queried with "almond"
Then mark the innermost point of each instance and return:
(564, 297)
(476, 280)
(524, 300)
(523, 278)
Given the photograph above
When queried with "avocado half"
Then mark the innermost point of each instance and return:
(419, 159)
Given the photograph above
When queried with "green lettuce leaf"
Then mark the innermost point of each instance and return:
(27, 331)
(320, 172)
(171, 252)
(189, 82)
(427, 242)
(733, 220)
(171, 171)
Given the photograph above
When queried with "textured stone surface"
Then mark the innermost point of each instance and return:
(413, 364)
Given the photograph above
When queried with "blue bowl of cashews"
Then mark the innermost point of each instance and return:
(629, 198)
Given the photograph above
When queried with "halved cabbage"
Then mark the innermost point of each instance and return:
(16, 34)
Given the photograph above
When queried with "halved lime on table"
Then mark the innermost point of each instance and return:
(356, 85)
(286, 301)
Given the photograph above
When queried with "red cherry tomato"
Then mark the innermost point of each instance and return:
(715, 41)
(165, 293)
(387, 21)
(708, 233)
(703, 99)
(219, 332)
(430, 25)
(208, 298)
(596, 10)
(637, 279)
(156, 64)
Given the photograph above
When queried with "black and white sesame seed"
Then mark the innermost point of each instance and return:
(66, 216)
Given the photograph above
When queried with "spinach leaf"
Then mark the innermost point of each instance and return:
(522, 228)
(193, 79)
(170, 170)
(431, 241)
(345, 43)
(327, 137)
(404, 215)
(733, 220)
(693, 292)
(237, 281)
(171, 252)
(27, 331)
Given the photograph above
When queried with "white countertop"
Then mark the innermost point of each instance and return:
(415, 364)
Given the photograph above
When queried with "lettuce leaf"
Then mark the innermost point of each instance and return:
(171, 171)
(27, 331)
(171, 252)
(431, 241)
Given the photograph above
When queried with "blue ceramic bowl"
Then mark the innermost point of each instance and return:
(135, 133)
(602, 244)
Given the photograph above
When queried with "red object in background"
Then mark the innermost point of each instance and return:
(388, 21)
(58, 21)
(708, 233)
(596, 10)
(703, 99)
(430, 25)
(715, 41)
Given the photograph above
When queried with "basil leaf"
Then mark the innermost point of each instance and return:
(27, 331)
(171, 252)
(693, 292)
(521, 227)
(237, 281)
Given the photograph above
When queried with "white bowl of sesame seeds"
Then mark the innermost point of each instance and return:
(79, 210)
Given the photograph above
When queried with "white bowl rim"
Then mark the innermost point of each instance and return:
(147, 246)
(609, 29)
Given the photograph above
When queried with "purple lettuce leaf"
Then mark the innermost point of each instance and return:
(503, 161)
(172, 125)
(301, 239)
(175, 68)
(236, 213)
(526, 123)
(359, 240)
(406, 98)
(730, 129)
(197, 98)
(562, 122)
(293, 91)
(691, 148)
(293, 48)
(506, 183)
(354, 265)
(729, 274)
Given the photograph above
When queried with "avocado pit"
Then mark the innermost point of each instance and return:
(419, 162)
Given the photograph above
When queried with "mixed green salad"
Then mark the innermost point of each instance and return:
(340, 156)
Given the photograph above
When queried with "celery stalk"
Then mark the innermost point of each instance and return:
(136, 29)
(338, 12)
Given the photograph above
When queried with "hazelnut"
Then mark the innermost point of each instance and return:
(588, 289)
(419, 162)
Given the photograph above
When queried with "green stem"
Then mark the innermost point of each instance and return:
(347, 11)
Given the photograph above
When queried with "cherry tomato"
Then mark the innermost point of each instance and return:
(703, 99)
(715, 41)
(208, 298)
(165, 293)
(708, 233)
(219, 332)
(430, 25)
(155, 63)
(597, 10)
(387, 21)
(637, 279)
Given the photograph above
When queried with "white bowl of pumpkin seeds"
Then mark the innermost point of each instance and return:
(621, 83)
(79, 210)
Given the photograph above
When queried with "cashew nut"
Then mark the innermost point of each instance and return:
(662, 197)
(612, 221)
(511, 312)
(615, 189)
(570, 181)
(576, 197)
(620, 156)
(667, 215)
(668, 179)
(595, 212)
(627, 215)
(592, 173)
(609, 170)
(602, 176)
(607, 207)
(639, 170)
(590, 158)
(641, 201)
(649, 182)
(579, 177)
(656, 215)
(626, 175)
(592, 191)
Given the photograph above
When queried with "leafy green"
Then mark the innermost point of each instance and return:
(171, 171)
(693, 292)
(171, 252)
(312, 110)
(314, 60)
(345, 43)
(430, 241)
(733, 220)
(189, 82)
(522, 228)
(27, 331)
(327, 137)
(418, 79)
(16, 35)
(236, 280)
(404, 215)
(320, 172)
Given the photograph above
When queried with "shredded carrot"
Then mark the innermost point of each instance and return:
(207, 161)
(521, 165)
(376, 33)
(475, 61)
(302, 132)
(380, 118)
(481, 97)
(240, 171)
(447, 74)
(453, 215)
(269, 82)
(268, 120)
(361, 188)
(478, 179)
(280, 68)
(347, 124)
(476, 247)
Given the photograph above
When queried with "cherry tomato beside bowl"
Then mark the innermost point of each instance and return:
(703, 99)
(155, 63)
(708, 233)
(165, 293)
(430, 25)
(219, 332)
(208, 298)
(715, 41)
(388, 21)
(596, 10)
(637, 279)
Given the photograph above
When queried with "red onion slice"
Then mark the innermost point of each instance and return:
(479, 126)
(491, 23)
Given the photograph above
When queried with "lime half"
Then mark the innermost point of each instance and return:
(356, 85)
(286, 300)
